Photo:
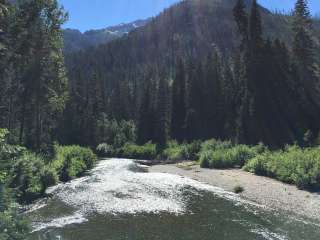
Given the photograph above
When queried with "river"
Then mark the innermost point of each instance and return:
(119, 199)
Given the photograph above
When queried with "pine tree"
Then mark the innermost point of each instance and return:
(303, 44)
(228, 102)
(194, 122)
(178, 115)
(162, 113)
(41, 72)
(307, 75)
(255, 26)
(4, 64)
(146, 120)
(241, 72)
(212, 95)
(241, 18)
(304, 50)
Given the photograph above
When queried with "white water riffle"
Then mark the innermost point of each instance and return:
(119, 186)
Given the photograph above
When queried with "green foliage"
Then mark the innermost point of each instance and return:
(8, 152)
(173, 151)
(147, 151)
(33, 100)
(213, 144)
(191, 150)
(72, 161)
(117, 133)
(177, 152)
(205, 157)
(217, 154)
(49, 177)
(12, 225)
(105, 150)
(28, 175)
(293, 165)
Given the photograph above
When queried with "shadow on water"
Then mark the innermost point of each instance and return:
(119, 200)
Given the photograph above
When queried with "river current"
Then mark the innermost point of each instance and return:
(119, 199)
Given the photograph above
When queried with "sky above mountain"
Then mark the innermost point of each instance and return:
(96, 14)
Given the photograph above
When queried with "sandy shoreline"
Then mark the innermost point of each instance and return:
(265, 191)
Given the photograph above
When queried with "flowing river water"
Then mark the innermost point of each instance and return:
(120, 200)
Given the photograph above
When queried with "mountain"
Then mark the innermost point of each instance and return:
(191, 27)
(200, 39)
(74, 40)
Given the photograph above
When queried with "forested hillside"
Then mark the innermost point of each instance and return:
(196, 71)
(202, 69)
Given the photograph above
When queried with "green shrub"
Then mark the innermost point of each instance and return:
(8, 153)
(292, 165)
(177, 152)
(105, 150)
(220, 159)
(116, 133)
(173, 151)
(205, 157)
(213, 144)
(49, 177)
(27, 176)
(258, 165)
(191, 151)
(72, 161)
(13, 226)
(147, 151)
(224, 156)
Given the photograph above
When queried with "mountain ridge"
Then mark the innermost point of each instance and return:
(75, 40)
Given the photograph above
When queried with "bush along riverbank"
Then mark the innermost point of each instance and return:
(29, 174)
(293, 164)
(25, 175)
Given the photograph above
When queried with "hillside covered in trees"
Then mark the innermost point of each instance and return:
(202, 69)
(199, 70)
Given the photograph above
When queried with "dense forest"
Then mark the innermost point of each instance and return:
(229, 70)
(188, 74)
(193, 74)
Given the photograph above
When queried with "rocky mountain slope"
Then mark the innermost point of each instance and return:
(74, 40)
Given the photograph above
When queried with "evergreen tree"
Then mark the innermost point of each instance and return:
(3, 58)
(40, 73)
(241, 18)
(228, 102)
(307, 69)
(304, 50)
(146, 121)
(162, 113)
(212, 95)
(178, 115)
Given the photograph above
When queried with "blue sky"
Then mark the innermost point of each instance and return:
(95, 14)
